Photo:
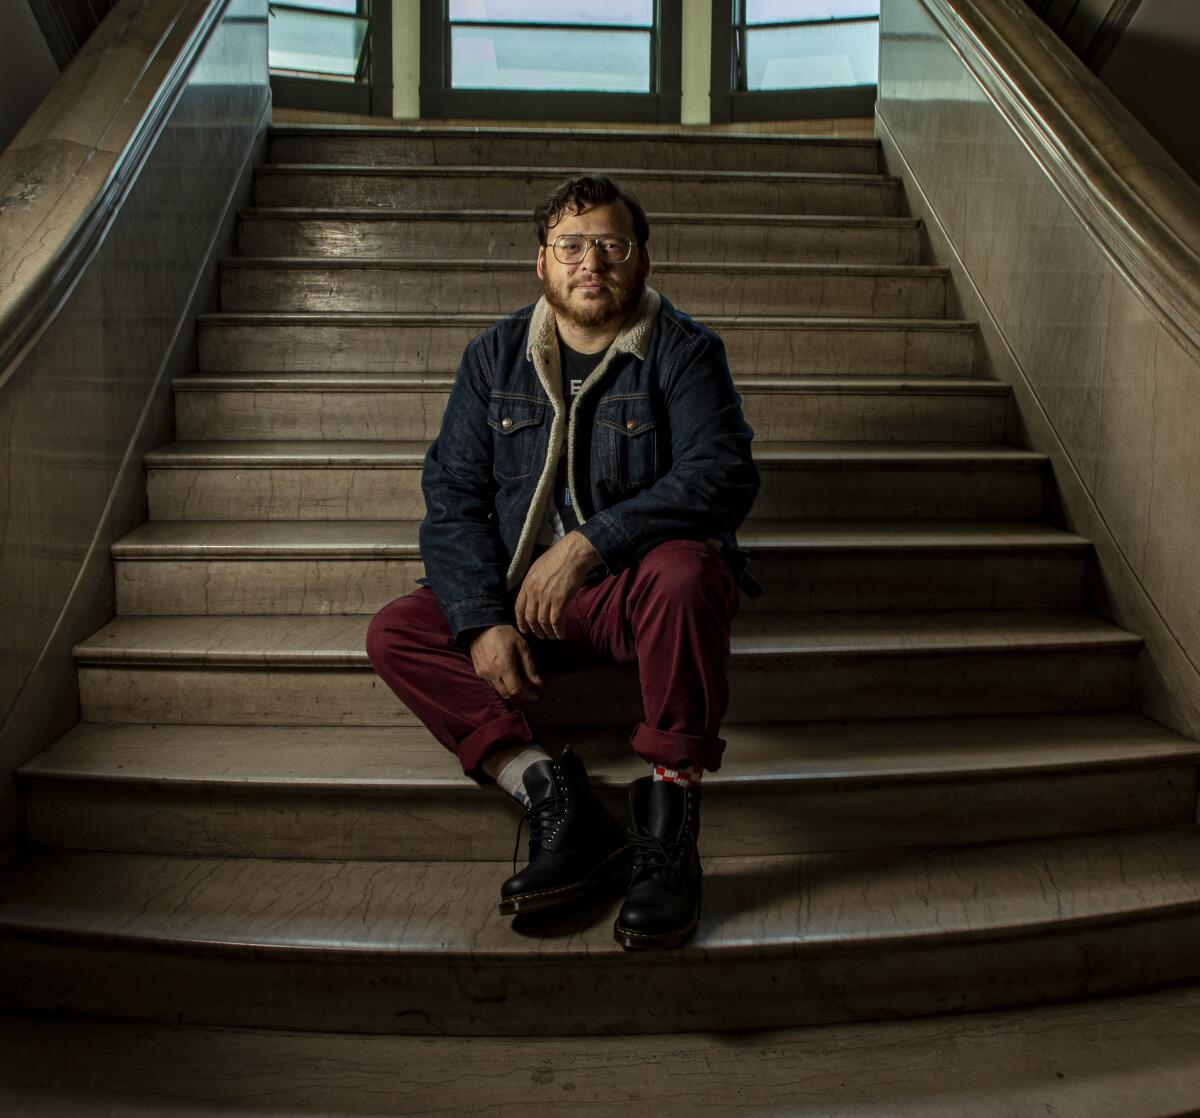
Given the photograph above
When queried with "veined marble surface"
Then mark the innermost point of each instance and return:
(1106, 377)
(73, 403)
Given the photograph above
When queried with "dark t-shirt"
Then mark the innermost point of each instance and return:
(576, 368)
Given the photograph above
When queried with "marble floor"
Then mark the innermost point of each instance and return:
(1130, 1057)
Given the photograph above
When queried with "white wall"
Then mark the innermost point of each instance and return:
(27, 69)
(406, 59)
(1154, 70)
(696, 107)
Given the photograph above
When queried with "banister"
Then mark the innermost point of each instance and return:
(70, 166)
(1140, 203)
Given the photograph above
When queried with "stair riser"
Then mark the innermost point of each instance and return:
(431, 290)
(465, 824)
(388, 993)
(824, 416)
(837, 581)
(505, 239)
(770, 689)
(514, 190)
(832, 350)
(513, 149)
(826, 493)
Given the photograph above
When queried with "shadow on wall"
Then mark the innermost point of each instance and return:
(27, 68)
(1155, 73)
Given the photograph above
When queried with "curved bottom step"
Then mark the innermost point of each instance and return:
(419, 947)
(1128, 1057)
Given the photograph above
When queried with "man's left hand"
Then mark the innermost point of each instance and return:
(550, 584)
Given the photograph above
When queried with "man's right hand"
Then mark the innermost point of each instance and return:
(502, 657)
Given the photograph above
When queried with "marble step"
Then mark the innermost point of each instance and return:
(507, 186)
(245, 480)
(577, 147)
(305, 669)
(287, 286)
(509, 235)
(395, 793)
(413, 343)
(1008, 1063)
(418, 947)
(406, 406)
(329, 566)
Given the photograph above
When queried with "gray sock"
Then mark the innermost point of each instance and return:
(512, 776)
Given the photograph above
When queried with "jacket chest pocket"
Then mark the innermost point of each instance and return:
(517, 425)
(627, 431)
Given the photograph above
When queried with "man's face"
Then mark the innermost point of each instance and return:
(594, 293)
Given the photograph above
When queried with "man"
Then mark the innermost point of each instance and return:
(582, 497)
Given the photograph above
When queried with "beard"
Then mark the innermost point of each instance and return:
(615, 302)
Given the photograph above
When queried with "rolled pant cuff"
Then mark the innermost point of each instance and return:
(667, 747)
(509, 729)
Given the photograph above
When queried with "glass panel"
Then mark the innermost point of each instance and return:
(787, 11)
(345, 7)
(816, 57)
(520, 58)
(637, 13)
(315, 44)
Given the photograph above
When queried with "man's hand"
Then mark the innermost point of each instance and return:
(502, 657)
(551, 583)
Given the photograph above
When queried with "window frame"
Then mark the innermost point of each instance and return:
(661, 105)
(368, 93)
(730, 103)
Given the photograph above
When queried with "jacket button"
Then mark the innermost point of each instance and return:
(506, 423)
(631, 424)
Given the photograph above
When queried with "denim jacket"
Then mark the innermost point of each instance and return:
(658, 423)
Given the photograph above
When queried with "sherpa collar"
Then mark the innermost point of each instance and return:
(542, 348)
(634, 336)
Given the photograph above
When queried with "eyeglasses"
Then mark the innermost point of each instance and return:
(571, 248)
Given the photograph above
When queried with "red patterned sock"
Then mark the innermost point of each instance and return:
(686, 775)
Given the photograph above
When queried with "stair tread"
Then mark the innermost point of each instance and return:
(484, 320)
(476, 266)
(789, 906)
(656, 218)
(283, 453)
(338, 640)
(1136, 1056)
(425, 382)
(407, 758)
(333, 538)
(461, 131)
(634, 174)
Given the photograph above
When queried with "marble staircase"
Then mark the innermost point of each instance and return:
(937, 795)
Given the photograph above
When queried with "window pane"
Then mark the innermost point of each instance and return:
(816, 57)
(520, 58)
(639, 13)
(785, 11)
(315, 44)
(346, 7)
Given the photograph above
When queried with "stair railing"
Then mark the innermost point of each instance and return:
(115, 199)
(1074, 239)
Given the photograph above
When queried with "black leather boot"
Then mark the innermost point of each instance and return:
(662, 906)
(573, 840)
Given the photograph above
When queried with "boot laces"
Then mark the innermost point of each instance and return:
(544, 819)
(659, 856)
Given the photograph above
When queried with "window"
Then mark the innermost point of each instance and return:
(333, 55)
(807, 44)
(511, 44)
(323, 38)
(794, 58)
(601, 59)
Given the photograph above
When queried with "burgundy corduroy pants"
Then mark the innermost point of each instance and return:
(670, 614)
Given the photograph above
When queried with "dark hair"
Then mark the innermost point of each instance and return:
(583, 192)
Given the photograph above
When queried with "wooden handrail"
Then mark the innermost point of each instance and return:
(1142, 206)
(69, 168)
